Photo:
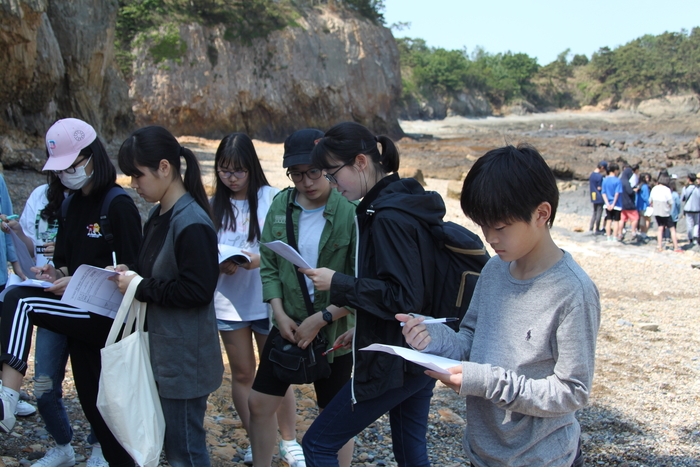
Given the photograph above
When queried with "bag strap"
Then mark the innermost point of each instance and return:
(123, 313)
(291, 241)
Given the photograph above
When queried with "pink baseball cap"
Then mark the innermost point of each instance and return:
(64, 141)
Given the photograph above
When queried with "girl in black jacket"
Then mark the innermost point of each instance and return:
(393, 261)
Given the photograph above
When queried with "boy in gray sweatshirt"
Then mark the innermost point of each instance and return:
(527, 342)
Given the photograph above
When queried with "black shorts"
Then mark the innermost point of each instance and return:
(663, 221)
(266, 382)
(612, 215)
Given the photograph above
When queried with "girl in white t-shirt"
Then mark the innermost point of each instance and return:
(240, 204)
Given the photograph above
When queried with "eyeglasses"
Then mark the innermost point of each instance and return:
(72, 168)
(331, 177)
(226, 174)
(296, 177)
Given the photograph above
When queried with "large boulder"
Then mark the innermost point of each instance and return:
(58, 61)
(670, 106)
(332, 67)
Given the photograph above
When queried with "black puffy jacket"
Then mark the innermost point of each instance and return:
(394, 275)
(629, 195)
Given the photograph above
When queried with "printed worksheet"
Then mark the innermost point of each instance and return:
(430, 361)
(90, 289)
(288, 253)
(15, 281)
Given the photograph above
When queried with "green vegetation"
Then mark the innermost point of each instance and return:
(647, 67)
(156, 21)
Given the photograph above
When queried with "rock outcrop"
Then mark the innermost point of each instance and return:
(670, 106)
(333, 67)
(57, 59)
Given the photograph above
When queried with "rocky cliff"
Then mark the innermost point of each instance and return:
(333, 67)
(57, 59)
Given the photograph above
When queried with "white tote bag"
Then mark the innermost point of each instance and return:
(128, 398)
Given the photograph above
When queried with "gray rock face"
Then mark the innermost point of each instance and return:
(58, 61)
(331, 69)
(671, 106)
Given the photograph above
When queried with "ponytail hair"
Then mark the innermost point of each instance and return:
(237, 152)
(148, 146)
(346, 140)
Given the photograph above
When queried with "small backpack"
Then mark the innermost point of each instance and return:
(459, 257)
(105, 227)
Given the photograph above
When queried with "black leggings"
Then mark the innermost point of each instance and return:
(25, 307)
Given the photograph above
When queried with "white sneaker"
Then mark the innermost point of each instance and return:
(56, 457)
(292, 454)
(24, 409)
(7, 411)
(248, 456)
(96, 458)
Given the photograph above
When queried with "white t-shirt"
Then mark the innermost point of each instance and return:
(34, 226)
(238, 297)
(663, 200)
(311, 224)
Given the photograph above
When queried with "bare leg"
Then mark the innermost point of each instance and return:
(241, 358)
(674, 238)
(263, 426)
(287, 416)
(660, 245)
(11, 378)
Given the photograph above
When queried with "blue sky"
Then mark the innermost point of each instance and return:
(541, 28)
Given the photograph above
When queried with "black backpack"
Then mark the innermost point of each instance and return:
(105, 227)
(459, 257)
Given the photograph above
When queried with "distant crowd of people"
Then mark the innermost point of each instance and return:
(525, 350)
(631, 201)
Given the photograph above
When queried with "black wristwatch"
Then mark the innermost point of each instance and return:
(327, 316)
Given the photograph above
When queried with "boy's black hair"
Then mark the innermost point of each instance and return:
(507, 184)
(612, 167)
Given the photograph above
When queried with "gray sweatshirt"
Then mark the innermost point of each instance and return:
(527, 350)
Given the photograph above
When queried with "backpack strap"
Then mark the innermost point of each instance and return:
(105, 226)
(104, 220)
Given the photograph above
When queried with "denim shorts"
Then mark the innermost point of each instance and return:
(261, 326)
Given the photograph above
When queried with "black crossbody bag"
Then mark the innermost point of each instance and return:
(293, 364)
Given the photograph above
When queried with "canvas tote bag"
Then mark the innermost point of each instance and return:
(128, 398)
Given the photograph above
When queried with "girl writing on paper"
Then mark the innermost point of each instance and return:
(81, 163)
(240, 204)
(322, 223)
(393, 238)
(37, 229)
(179, 265)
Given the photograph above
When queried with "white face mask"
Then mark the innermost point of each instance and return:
(77, 180)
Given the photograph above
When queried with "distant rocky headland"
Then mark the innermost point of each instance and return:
(323, 63)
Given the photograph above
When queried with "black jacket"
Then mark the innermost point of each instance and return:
(394, 275)
(629, 195)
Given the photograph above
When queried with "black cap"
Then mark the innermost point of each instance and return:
(298, 147)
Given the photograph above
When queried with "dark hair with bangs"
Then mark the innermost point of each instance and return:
(346, 140)
(148, 146)
(237, 151)
(507, 184)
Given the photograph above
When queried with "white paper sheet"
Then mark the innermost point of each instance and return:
(228, 251)
(90, 289)
(15, 281)
(430, 361)
(288, 253)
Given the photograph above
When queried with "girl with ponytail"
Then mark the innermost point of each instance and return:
(179, 265)
(393, 273)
